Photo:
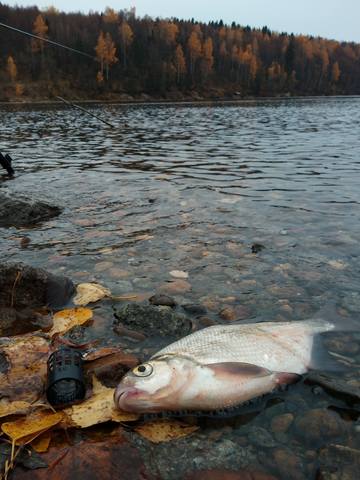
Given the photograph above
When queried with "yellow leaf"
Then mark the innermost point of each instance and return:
(13, 408)
(90, 292)
(41, 444)
(69, 318)
(165, 430)
(99, 408)
(26, 429)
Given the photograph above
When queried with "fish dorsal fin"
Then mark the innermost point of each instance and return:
(238, 368)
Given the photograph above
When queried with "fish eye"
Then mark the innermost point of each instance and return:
(143, 370)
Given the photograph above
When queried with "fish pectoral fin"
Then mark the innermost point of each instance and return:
(238, 368)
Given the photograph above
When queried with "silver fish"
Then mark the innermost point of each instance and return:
(224, 366)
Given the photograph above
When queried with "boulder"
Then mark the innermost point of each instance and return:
(15, 212)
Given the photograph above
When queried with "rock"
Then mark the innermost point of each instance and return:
(164, 300)
(238, 312)
(22, 286)
(15, 322)
(338, 462)
(281, 423)
(194, 309)
(24, 212)
(218, 474)
(289, 465)
(335, 386)
(261, 437)
(153, 320)
(318, 426)
(257, 247)
(175, 287)
(91, 461)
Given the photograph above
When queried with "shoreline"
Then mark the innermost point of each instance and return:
(189, 101)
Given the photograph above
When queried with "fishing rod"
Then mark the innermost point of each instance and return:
(43, 39)
(84, 110)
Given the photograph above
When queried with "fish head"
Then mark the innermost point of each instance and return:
(155, 385)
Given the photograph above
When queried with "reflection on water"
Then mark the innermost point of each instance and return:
(182, 187)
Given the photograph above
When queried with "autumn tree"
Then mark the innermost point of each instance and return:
(168, 32)
(11, 68)
(40, 29)
(105, 54)
(126, 37)
(208, 58)
(110, 16)
(180, 63)
(195, 48)
(335, 72)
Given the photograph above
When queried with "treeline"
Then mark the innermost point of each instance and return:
(167, 58)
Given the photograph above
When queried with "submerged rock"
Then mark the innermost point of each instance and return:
(153, 320)
(335, 386)
(318, 426)
(22, 286)
(163, 300)
(339, 462)
(24, 212)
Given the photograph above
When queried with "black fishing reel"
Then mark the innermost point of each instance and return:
(65, 380)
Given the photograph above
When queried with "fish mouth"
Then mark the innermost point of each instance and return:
(127, 398)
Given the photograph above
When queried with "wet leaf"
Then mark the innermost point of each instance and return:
(41, 443)
(13, 408)
(165, 430)
(90, 292)
(143, 237)
(26, 429)
(179, 274)
(24, 377)
(67, 319)
(99, 408)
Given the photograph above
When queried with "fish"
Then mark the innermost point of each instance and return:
(223, 366)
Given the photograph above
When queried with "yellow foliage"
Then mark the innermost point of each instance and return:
(99, 408)
(90, 292)
(11, 68)
(69, 318)
(165, 430)
(19, 89)
(39, 28)
(110, 16)
(25, 430)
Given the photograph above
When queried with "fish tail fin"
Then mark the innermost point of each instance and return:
(331, 320)
(328, 319)
(321, 359)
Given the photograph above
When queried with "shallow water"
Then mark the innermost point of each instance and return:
(192, 188)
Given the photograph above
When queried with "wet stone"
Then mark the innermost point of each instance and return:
(339, 462)
(260, 437)
(289, 465)
(18, 322)
(281, 423)
(194, 309)
(153, 320)
(24, 212)
(163, 300)
(22, 286)
(336, 386)
(318, 426)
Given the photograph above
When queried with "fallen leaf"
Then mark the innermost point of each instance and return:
(69, 318)
(179, 274)
(26, 429)
(99, 408)
(13, 408)
(90, 292)
(337, 264)
(23, 372)
(165, 430)
(41, 443)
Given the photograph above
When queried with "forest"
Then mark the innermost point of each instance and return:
(171, 59)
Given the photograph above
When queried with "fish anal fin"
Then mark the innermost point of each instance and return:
(238, 368)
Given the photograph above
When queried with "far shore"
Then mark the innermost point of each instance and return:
(160, 101)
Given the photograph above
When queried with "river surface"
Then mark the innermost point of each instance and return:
(197, 188)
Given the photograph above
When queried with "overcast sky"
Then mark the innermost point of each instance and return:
(339, 19)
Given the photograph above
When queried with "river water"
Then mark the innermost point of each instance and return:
(194, 188)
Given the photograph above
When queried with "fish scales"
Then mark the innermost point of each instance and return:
(258, 344)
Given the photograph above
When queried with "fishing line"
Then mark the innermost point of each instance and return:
(57, 44)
